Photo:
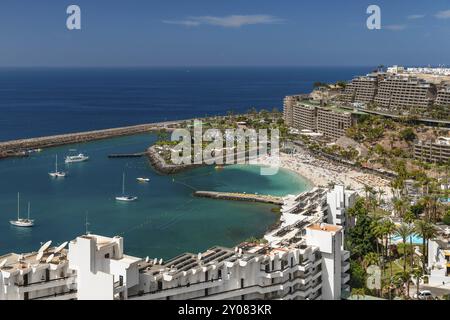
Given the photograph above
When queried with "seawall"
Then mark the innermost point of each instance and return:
(19, 147)
(239, 197)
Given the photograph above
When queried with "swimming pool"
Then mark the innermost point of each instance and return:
(416, 239)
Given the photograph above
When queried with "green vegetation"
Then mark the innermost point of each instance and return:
(369, 242)
(446, 218)
(408, 134)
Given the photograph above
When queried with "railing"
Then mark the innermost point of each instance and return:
(72, 291)
(173, 288)
(45, 281)
(253, 286)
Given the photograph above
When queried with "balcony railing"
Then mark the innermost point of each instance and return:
(188, 287)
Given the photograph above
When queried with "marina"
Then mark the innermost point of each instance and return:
(166, 220)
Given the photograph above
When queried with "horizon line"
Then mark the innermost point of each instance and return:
(181, 66)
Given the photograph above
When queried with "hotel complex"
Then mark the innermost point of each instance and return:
(443, 96)
(392, 91)
(330, 121)
(433, 151)
(302, 259)
(398, 91)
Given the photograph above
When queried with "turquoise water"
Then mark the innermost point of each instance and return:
(165, 221)
(416, 239)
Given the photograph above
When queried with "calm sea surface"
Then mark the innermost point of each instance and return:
(39, 102)
(167, 220)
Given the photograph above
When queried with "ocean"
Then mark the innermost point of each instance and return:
(166, 220)
(39, 102)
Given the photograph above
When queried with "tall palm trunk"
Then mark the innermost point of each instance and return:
(389, 255)
(423, 253)
(408, 283)
(412, 252)
(405, 255)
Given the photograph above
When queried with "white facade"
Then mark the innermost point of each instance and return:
(339, 200)
(301, 260)
(439, 261)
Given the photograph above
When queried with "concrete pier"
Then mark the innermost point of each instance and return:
(126, 155)
(239, 197)
(19, 147)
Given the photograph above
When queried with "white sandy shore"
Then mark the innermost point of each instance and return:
(322, 173)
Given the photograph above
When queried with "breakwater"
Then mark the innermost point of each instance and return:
(161, 166)
(19, 147)
(239, 197)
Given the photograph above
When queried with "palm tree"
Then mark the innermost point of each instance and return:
(371, 258)
(378, 232)
(427, 231)
(421, 227)
(404, 278)
(389, 228)
(368, 190)
(404, 231)
(417, 273)
(381, 193)
(430, 233)
(358, 292)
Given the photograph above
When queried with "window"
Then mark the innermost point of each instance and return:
(219, 274)
(107, 256)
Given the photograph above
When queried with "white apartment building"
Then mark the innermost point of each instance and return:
(302, 259)
(338, 200)
(439, 260)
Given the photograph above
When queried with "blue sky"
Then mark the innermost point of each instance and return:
(224, 33)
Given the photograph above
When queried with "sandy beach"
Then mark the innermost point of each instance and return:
(322, 172)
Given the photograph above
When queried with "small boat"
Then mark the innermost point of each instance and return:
(124, 197)
(25, 223)
(77, 158)
(218, 167)
(57, 174)
(140, 179)
(35, 150)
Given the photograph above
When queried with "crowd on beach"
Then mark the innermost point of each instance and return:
(322, 173)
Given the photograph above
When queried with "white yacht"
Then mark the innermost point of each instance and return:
(124, 197)
(57, 174)
(140, 179)
(76, 158)
(22, 222)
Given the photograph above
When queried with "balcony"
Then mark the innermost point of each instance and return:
(69, 295)
(345, 255)
(301, 292)
(304, 266)
(345, 266)
(345, 277)
(317, 287)
(345, 291)
(42, 285)
(158, 294)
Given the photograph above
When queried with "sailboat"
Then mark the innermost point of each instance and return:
(22, 222)
(57, 174)
(125, 197)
